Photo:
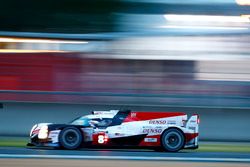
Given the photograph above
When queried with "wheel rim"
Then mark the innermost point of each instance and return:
(71, 138)
(173, 140)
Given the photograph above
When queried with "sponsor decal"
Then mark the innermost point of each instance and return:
(119, 134)
(150, 139)
(171, 122)
(147, 127)
(133, 114)
(159, 122)
(54, 132)
(156, 131)
(53, 135)
(158, 127)
(192, 128)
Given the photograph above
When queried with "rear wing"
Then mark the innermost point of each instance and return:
(193, 124)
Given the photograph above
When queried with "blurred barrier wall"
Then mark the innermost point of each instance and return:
(77, 78)
(16, 119)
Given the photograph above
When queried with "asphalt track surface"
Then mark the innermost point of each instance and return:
(108, 163)
(124, 155)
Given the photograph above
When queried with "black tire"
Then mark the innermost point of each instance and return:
(70, 138)
(172, 140)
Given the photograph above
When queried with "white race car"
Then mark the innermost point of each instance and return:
(169, 131)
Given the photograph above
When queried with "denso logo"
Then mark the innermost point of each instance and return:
(157, 131)
(161, 122)
(54, 132)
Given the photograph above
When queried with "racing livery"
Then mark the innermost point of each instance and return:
(169, 131)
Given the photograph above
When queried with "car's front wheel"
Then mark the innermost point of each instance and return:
(172, 140)
(70, 138)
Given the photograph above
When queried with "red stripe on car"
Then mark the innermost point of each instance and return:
(142, 116)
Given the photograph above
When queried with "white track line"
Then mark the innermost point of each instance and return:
(198, 159)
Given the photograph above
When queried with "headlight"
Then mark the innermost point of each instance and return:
(32, 129)
(43, 133)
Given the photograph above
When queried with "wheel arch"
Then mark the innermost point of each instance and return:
(75, 126)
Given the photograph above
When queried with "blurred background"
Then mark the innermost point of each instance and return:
(63, 58)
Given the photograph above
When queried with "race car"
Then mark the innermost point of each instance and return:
(167, 131)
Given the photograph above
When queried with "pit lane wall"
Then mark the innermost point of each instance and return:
(16, 119)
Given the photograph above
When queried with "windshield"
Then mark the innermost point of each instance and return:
(96, 122)
(84, 121)
(101, 122)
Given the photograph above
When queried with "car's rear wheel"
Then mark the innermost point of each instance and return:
(172, 140)
(70, 138)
